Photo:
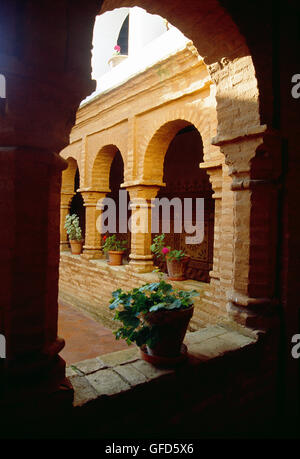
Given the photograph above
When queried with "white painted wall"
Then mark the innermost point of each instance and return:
(106, 31)
(143, 28)
(149, 42)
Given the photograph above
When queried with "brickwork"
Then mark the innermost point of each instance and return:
(88, 285)
(142, 116)
(135, 121)
(250, 52)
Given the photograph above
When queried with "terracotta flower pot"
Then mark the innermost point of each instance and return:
(163, 362)
(116, 60)
(176, 268)
(171, 327)
(115, 257)
(76, 247)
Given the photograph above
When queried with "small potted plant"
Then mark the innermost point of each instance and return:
(176, 259)
(114, 248)
(74, 232)
(155, 317)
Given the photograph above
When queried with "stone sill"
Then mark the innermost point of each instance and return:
(121, 372)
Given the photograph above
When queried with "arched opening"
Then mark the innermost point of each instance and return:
(123, 36)
(185, 180)
(101, 167)
(77, 203)
(220, 31)
(116, 178)
(71, 201)
(68, 176)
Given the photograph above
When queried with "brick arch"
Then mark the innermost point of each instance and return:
(68, 176)
(226, 53)
(101, 167)
(157, 141)
(72, 153)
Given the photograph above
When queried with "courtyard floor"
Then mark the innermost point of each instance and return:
(85, 338)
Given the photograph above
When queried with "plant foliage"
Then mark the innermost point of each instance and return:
(132, 307)
(113, 244)
(73, 229)
(160, 249)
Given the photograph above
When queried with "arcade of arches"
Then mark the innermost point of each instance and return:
(242, 108)
(152, 140)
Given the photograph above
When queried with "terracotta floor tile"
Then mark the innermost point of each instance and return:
(85, 338)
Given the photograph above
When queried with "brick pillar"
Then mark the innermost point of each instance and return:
(65, 202)
(252, 296)
(29, 212)
(45, 83)
(141, 259)
(91, 248)
(213, 297)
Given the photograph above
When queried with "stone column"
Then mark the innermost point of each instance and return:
(91, 248)
(45, 83)
(252, 296)
(29, 211)
(65, 201)
(212, 296)
(214, 170)
(141, 259)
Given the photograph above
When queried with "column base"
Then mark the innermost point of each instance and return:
(33, 389)
(38, 415)
(92, 253)
(141, 266)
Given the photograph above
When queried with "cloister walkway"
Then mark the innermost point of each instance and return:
(85, 338)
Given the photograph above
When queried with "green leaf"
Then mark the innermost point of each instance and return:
(128, 319)
(157, 307)
(175, 305)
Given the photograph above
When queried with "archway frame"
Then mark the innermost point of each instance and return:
(239, 108)
(100, 149)
(54, 79)
(157, 137)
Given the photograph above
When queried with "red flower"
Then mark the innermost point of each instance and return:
(104, 238)
(117, 48)
(165, 250)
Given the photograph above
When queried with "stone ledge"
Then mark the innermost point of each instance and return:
(120, 372)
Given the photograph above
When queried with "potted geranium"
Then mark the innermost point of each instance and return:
(176, 259)
(74, 232)
(114, 248)
(155, 317)
(117, 57)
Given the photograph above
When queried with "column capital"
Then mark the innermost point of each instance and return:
(250, 132)
(91, 197)
(246, 183)
(251, 312)
(215, 171)
(149, 183)
(255, 157)
(146, 192)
